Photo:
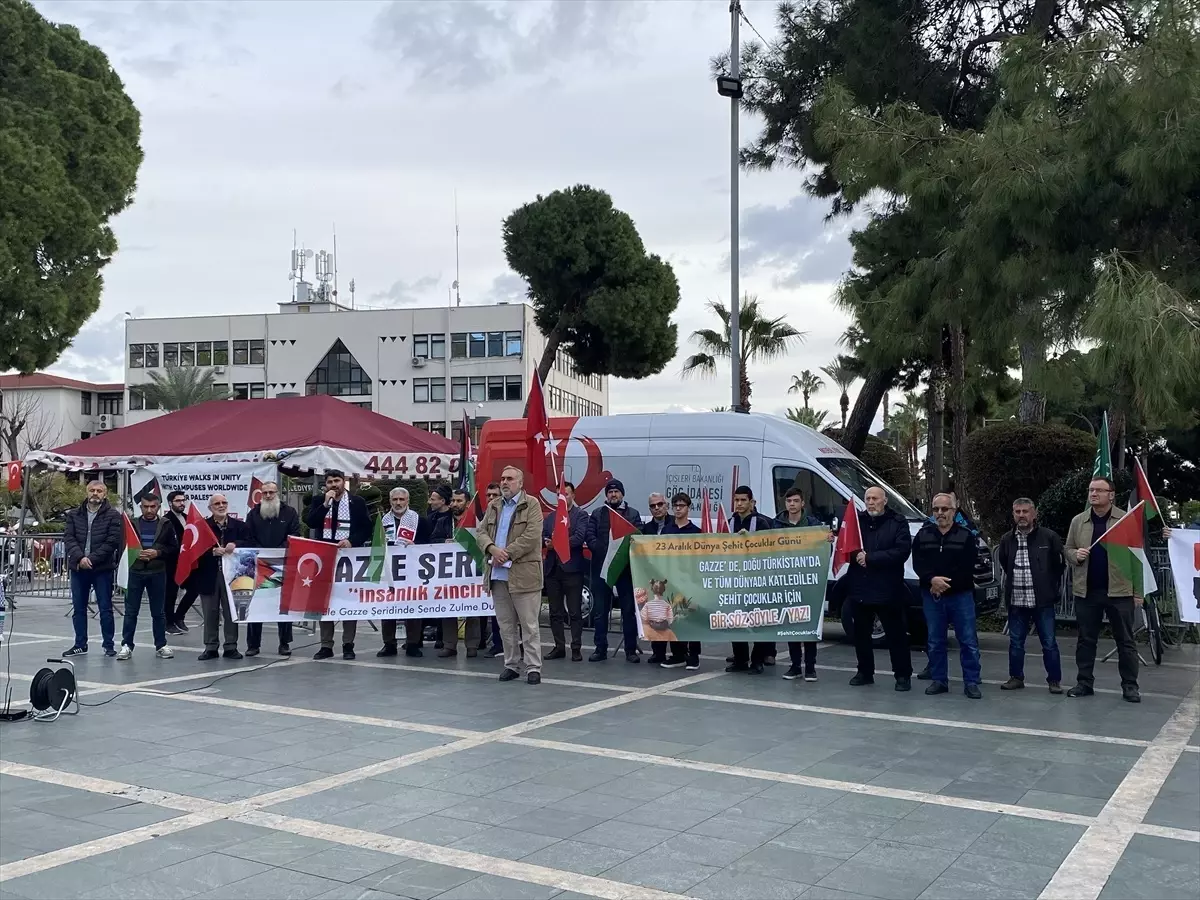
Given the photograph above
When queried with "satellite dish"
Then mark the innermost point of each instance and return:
(308, 254)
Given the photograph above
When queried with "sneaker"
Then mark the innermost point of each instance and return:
(110, 652)
(924, 675)
(348, 651)
(207, 655)
(75, 651)
(173, 629)
(533, 678)
(674, 662)
(252, 651)
(859, 680)
(973, 691)
(692, 665)
(164, 652)
(1081, 690)
(182, 626)
(324, 653)
(509, 675)
(126, 652)
(557, 653)
(810, 676)
(285, 650)
(1013, 684)
(793, 673)
(232, 654)
(937, 687)
(1055, 687)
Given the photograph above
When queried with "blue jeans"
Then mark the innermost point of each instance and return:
(959, 610)
(83, 582)
(155, 586)
(602, 607)
(1042, 619)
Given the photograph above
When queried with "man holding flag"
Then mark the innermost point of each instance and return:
(563, 573)
(1101, 586)
(608, 534)
(149, 544)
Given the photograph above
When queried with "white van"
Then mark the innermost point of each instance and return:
(671, 452)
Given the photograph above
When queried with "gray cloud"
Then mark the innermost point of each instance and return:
(406, 293)
(98, 351)
(796, 242)
(470, 43)
(509, 288)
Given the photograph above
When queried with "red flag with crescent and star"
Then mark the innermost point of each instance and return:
(307, 577)
(13, 471)
(539, 442)
(197, 539)
(560, 539)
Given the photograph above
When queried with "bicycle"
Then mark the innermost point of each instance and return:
(1154, 629)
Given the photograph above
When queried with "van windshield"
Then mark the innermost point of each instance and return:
(854, 475)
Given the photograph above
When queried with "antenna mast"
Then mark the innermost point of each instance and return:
(457, 271)
(335, 283)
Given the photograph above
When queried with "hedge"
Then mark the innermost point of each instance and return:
(881, 458)
(1007, 460)
(1068, 497)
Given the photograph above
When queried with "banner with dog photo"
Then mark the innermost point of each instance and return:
(762, 586)
(240, 482)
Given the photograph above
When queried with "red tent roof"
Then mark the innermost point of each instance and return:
(302, 432)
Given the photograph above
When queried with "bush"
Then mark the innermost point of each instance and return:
(1067, 498)
(1009, 460)
(881, 458)
(418, 493)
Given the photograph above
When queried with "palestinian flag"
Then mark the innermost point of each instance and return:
(616, 559)
(267, 574)
(1126, 547)
(378, 552)
(466, 463)
(133, 546)
(1103, 465)
(1141, 491)
(468, 525)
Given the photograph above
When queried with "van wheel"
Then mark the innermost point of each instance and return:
(585, 605)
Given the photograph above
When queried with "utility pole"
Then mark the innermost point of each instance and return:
(731, 86)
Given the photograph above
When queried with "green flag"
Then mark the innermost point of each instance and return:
(1103, 466)
(378, 551)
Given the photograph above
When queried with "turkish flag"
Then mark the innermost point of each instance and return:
(849, 541)
(560, 539)
(538, 440)
(13, 471)
(722, 522)
(307, 577)
(706, 522)
(197, 539)
(255, 491)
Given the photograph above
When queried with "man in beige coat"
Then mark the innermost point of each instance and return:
(511, 540)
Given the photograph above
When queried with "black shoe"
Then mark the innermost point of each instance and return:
(632, 658)
(75, 651)
(904, 684)
(534, 678)
(598, 656)
(860, 679)
(182, 626)
(769, 661)
(172, 630)
(509, 675)
(756, 668)
(557, 653)
(207, 655)
(730, 659)
(1081, 690)
(109, 651)
(390, 650)
(413, 651)
(324, 653)
(348, 651)
(924, 675)
(1130, 694)
(737, 667)
(693, 664)
(937, 687)
(674, 662)
(972, 691)
(252, 651)
(438, 645)
(576, 656)
(656, 660)
(793, 673)
(491, 654)
(232, 654)
(285, 650)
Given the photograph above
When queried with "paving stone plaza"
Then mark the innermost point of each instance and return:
(427, 778)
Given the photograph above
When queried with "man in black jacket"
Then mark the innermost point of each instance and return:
(339, 518)
(94, 539)
(875, 585)
(746, 517)
(598, 538)
(1031, 558)
(944, 556)
(209, 579)
(440, 524)
(270, 524)
(149, 573)
(176, 515)
(563, 579)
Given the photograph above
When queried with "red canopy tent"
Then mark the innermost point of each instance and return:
(301, 434)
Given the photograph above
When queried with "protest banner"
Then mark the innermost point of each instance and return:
(424, 581)
(240, 482)
(762, 586)
(1184, 548)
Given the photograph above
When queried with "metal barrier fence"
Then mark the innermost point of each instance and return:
(34, 565)
(1166, 599)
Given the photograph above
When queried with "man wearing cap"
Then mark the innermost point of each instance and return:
(339, 518)
(598, 534)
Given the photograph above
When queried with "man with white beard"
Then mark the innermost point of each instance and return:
(270, 523)
(401, 527)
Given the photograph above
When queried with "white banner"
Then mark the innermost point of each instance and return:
(1184, 547)
(428, 581)
(241, 483)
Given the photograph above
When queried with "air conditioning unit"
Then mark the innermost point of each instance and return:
(219, 370)
(105, 422)
(418, 362)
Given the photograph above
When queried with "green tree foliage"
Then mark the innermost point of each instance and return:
(763, 340)
(909, 429)
(805, 415)
(806, 384)
(842, 374)
(179, 387)
(596, 292)
(69, 157)
(881, 458)
(50, 495)
(1010, 460)
(1067, 497)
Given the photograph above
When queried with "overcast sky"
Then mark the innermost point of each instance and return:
(263, 117)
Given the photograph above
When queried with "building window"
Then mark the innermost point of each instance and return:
(364, 404)
(437, 346)
(135, 400)
(424, 426)
(151, 355)
(258, 391)
(421, 391)
(429, 390)
(204, 353)
(477, 389)
(85, 403)
(338, 374)
(170, 355)
(241, 353)
(137, 359)
(458, 345)
(258, 353)
(495, 343)
(109, 404)
(512, 387)
(477, 345)
(187, 354)
(495, 387)
(221, 390)
(84, 435)
(456, 430)
(512, 343)
(220, 353)
(458, 390)
(421, 346)
(241, 391)
(437, 428)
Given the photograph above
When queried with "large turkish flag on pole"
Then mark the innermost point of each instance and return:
(197, 540)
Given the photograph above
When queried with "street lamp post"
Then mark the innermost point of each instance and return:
(731, 86)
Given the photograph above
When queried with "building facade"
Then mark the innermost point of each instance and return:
(41, 411)
(422, 366)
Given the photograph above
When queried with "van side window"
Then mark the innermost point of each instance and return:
(820, 499)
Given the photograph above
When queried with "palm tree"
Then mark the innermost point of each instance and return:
(843, 376)
(909, 428)
(813, 418)
(806, 384)
(762, 340)
(181, 387)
